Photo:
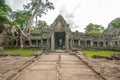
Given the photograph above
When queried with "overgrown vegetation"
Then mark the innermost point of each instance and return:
(22, 20)
(114, 24)
(22, 52)
(101, 53)
(4, 13)
(94, 29)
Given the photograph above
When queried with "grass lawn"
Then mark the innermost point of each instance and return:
(22, 52)
(101, 53)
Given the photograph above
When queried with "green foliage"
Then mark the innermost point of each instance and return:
(101, 53)
(4, 13)
(44, 7)
(114, 24)
(42, 24)
(37, 8)
(19, 18)
(94, 29)
(22, 52)
(3, 20)
(4, 8)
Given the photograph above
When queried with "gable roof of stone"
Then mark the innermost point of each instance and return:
(61, 20)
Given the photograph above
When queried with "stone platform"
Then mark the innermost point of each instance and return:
(58, 67)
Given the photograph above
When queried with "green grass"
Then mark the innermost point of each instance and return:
(22, 52)
(101, 53)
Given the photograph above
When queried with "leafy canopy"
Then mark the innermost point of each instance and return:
(94, 29)
(42, 24)
(4, 13)
(44, 6)
(114, 24)
(19, 18)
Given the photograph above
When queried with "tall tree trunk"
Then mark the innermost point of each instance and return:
(21, 39)
(26, 31)
(36, 20)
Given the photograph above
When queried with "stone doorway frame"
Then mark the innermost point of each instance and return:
(60, 36)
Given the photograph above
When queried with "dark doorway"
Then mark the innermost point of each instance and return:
(59, 40)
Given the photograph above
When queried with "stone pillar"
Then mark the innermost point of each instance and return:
(104, 44)
(48, 43)
(73, 43)
(119, 44)
(12, 42)
(85, 44)
(98, 44)
(91, 44)
(41, 42)
(67, 42)
(79, 42)
(70, 44)
(52, 42)
(36, 43)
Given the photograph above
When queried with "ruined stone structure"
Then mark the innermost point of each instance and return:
(60, 36)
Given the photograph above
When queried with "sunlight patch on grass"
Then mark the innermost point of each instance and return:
(101, 53)
(22, 52)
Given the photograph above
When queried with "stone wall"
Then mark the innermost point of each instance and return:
(44, 37)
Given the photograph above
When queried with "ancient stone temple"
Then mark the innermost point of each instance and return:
(55, 37)
(60, 36)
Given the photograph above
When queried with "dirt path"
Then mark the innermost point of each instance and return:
(57, 66)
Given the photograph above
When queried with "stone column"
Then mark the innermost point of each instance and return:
(73, 43)
(98, 44)
(79, 42)
(52, 42)
(41, 42)
(104, 44)
(85, 44)
(36, 43)
(91, 44)
(67, 42)
(12, 42)
(119, 44)
(48, 43)
(70, 44)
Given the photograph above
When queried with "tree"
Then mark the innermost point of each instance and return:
(19, 18)
(4, 8)
(4, 11)
(42, 24)
(36, 7)
(94, 29)
(114, 24)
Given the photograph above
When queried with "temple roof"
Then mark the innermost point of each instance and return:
(60, 19)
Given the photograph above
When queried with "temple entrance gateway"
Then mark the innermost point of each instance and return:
(59, 40)
(60, 33)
